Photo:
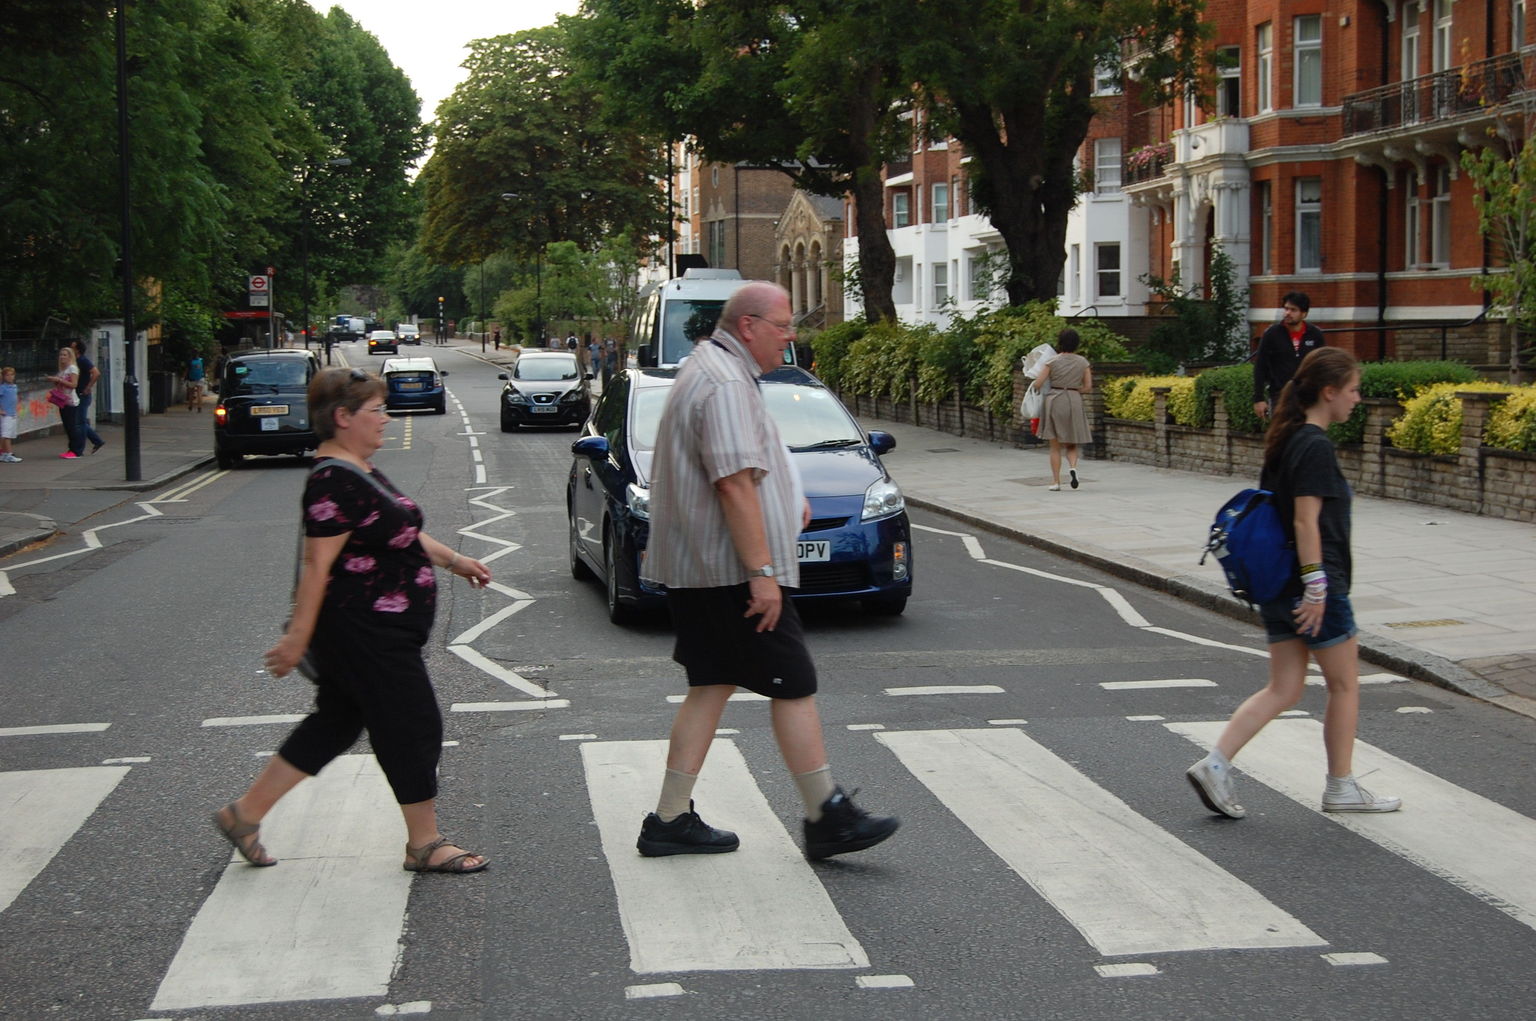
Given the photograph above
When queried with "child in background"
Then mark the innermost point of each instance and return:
(8, 414)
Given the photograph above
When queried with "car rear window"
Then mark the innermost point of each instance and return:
(265, 375)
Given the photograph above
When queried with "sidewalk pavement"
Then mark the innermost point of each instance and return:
(1440, 596)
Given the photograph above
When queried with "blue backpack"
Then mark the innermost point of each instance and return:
(1249, 543)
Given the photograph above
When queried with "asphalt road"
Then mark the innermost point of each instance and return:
(1028, 718)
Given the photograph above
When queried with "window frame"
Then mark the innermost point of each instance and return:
(1229, 77)
(935, 206)
(1440, 228)
(1100, 161)
(1264, 47)
(1412, 40)
(1306, 209)
(901, 210)
(1307, 63)
(939, 281)
(1442, 44)
(1266, 227)
(1100, 248)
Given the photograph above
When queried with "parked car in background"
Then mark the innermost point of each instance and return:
(409, 333)
(414, 383)
(545, 388)
(264, 405)
(383, 340)
(858, 544)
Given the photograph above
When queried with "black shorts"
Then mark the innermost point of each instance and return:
(717, 645)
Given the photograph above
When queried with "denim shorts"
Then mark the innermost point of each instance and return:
(1338, 621)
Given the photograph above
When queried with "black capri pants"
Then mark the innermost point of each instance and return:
(373, 677)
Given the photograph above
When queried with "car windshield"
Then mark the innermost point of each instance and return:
(264, 375)
(808, 417)
(685, 322)
(544, 370)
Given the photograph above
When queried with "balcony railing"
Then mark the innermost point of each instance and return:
(1145, 164)
(1435, 97)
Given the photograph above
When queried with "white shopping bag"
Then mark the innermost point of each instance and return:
(1036, 359)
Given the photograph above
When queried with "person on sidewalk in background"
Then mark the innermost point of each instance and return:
(66, 398)
(364, 605)
(496, 339)
(726, 507)
(195, 376)
(89, 376)
(8, 399)
(595, 357)
(1313, 616)
(1281, 349)
(1063, 420)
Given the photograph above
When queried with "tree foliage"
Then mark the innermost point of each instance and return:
(1505, 175)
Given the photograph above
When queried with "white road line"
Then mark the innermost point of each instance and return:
(479, 473)
(1184, 636)
(1124, 608)
(1318, 682)
(1353, 960)
(884, 982)
(1008, 723)
(1145, 719)
(759, 907)
(1414, 709)
(1474, 843)
(866, 726)
(508, 707)
(653, 990)
(1127, 970)
(511, 678)
(42, 809)
(55, 728)
(128, 760)
(495, 618)
(1128, 885)
(947, 689)
(325, 923)
(740, 696)
(1042, 574)
(251, 721)
(1172, 682)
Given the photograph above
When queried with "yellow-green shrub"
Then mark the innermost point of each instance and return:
(1512, 423)
(1131, 397)
(1431, 419)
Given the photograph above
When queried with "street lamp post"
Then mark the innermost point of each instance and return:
(304, 248)
(132, 466)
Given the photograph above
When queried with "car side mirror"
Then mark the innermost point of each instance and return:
(502, 375)
(881, 442)
(588, 375)
(590, 446)
(442, 372)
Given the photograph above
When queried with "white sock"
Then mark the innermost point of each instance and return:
(815, 788)
(1217, 760)
(676, 794)
(1339, 784)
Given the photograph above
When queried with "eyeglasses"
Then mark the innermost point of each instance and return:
(781, 327)
(377, 409)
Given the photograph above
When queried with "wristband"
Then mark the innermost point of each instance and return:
(1314, 577)
(1307, 569)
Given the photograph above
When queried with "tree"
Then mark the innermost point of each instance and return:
(525, 125)
(1013, 82)
(814, 88)
(1505, 175)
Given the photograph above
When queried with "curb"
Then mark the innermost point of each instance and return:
(144, 485)
(1378, 649)
(43, 530)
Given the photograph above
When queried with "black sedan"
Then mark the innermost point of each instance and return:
(264, 405)
(858, 544)
(545, 388)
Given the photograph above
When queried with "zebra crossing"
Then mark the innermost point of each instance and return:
(330, 923)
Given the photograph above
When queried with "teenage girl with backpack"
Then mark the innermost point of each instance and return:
(1312, 617)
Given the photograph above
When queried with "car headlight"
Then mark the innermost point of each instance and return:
(638, 498)
(514, 396)
(571, 397)
(881, 500)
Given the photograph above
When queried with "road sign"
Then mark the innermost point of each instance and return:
(259, 284)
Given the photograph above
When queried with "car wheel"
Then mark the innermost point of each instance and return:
(579, 569)
(885, 606)
(225, 459)
(442, 407)
(507, 425)
(618, 613)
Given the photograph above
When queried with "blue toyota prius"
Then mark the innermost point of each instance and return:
(857, 546)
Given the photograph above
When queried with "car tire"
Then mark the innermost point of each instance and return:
(507, 425)
(618, 612)
(579, 569)
(885, 606)
(442, 407)
(226, 461)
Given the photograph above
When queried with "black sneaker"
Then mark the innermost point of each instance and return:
(687, 834)
(845, 827)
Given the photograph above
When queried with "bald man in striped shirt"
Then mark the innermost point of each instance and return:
(726, 508)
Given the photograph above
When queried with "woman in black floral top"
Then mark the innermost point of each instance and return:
(363, 610)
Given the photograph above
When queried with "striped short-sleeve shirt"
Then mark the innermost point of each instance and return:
(716, 424)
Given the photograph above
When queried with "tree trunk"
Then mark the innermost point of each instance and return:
(877, 259)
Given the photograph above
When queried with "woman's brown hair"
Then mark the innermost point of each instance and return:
(340, 388)
(1324, 367)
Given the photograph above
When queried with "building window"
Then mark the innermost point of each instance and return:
(1440, 51)
(981, 277)
(1107, 265)
(957, 195)
(1266, 227)
(1106, 80)
(684, 209)
(940, 203)
(714, 177)
(1074, 275)
(1229, 86)
(696, 208)
(1266, 68)
(901, 214)
(1309, 60)
(1309, 224)
(1517, 25)
(1411, 221)
(940, 283)
(716, 253)
(1412, 13)
(1440, 216)
(1106, 166)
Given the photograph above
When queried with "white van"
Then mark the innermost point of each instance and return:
(681, 312)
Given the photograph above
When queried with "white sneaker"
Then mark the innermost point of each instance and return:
(1351, 797)
(1054, 487)
(1213, 782)
(10, 459)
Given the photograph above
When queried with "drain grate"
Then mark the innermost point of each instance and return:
(1443, 622)
(944, 450)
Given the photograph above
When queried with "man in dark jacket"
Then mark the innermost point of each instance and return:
(1281, 349)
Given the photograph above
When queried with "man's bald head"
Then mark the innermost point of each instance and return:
(757, 298)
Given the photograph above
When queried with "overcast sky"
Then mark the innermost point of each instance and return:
(427, 40)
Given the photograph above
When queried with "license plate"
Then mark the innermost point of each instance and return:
(538, 410)
(259, 410)
(408, 386)
(270, 425)
(817, 551)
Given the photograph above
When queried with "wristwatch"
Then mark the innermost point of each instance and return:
(766, 571)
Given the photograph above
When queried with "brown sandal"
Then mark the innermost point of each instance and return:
(420, 856)
(237, 833)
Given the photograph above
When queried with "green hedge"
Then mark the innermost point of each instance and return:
(1007, 335)
(1512, 425)
(831, 347)
(1431, 419)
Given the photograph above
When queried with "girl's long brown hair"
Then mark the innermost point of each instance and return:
(1324, 367)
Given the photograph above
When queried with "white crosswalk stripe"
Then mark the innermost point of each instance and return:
(42, 809)
(1128, 885)
(759, 907)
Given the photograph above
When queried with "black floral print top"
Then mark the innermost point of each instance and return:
(383, 568)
